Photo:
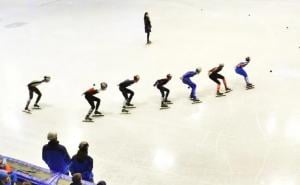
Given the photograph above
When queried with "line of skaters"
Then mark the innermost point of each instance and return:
(128, 94)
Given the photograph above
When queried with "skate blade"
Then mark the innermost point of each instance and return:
(97, 115)
(220, 95)
(169, 103)
(35, 108)
(125, 113)
(130, 107)
(195, 102)
(28, 112)
(228, 91)
(87, 121)
(162, 108)
(248, 88)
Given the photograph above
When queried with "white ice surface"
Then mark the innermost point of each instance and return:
(246, 138)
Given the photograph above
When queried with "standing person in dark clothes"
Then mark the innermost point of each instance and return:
(148, 26)
(125, 91)
(214, 76)
(89, 96)
(56, 155)
(82, 163)
(164, 91)
(33, 89)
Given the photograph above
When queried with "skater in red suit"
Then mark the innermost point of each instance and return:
(33, 89)
(214, 76)
(89, 96)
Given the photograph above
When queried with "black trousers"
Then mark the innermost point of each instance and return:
(91, 99)
(33, 89)
(215, 76)
(127, 93)
(164, 92)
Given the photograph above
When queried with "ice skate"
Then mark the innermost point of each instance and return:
(97, 114)
(195, 100)
(36, 106)
(125, 111)
(168, 102)
(129, 105)
(249, 86)
(26, 110)
(88, 119)
(164, 105)
(227, 90)
(219, 94)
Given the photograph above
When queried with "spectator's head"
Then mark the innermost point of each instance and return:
(76, 178)
(4, 178)
(52, 136)
(101, 183)
(83, 145)
(83, 151)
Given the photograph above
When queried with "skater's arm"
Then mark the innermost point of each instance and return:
(155, 83)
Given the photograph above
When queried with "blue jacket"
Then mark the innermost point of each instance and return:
(56, 157)
(189, 74)
(83, 167)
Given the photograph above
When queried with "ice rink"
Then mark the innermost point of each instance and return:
(246, 138)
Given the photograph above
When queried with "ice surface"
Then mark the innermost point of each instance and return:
(246, 138)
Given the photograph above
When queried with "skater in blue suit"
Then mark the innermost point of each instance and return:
(239, 70)
(186, 79)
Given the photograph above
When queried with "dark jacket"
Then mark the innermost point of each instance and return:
(56, 157)
(161, 82)
(126, 83)
(147, 23)
(83, 166)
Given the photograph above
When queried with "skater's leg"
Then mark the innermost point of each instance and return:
(30, 97)
(161, 89)
(97, 100)
(124, 93)
(214, 78)
(193, 91)
(131, 94)
(38, 92)
(91, 102)
(242, 72)
(167, 93)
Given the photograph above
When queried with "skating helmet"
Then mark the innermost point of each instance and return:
(103, 85)
(247, 59)
(221, 65)
(198, 69)
(47, 78)
(136, 78)
(169, 76)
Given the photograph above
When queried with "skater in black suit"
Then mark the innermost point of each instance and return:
(89, 96)
(127, 93)
(33, 89)
(148, 26)
(163, 90)
(214, 76)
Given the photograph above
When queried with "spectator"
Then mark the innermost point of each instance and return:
(101, 183)
(11, 173)
(76, 179)
(56, 155)
(4, 178)
(82, 163)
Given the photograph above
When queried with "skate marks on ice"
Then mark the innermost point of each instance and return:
(15, 25)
